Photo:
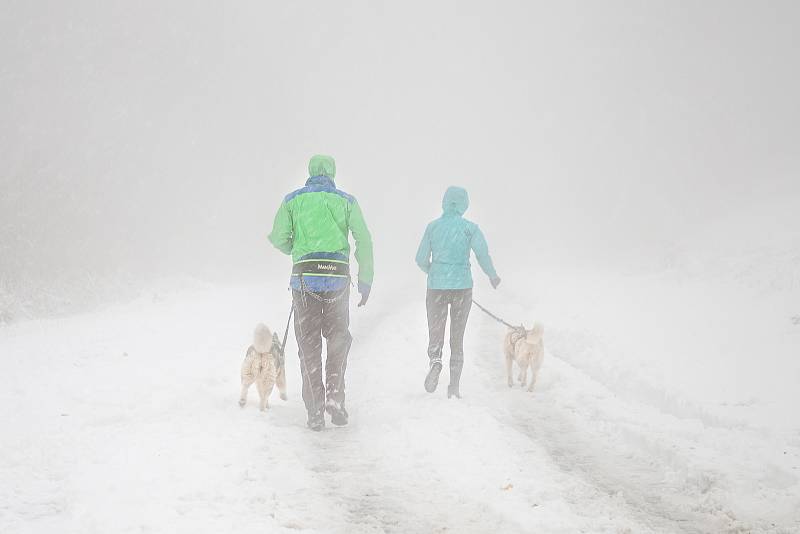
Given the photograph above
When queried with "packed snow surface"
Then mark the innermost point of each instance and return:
(126, 420)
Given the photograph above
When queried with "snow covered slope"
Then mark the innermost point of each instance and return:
(126, 420)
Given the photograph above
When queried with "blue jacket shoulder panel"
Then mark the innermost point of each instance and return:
(319, 184)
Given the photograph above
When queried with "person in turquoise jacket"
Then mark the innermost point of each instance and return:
(444, 255)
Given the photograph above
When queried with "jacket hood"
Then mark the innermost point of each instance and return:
(455, 201)
(321, 165)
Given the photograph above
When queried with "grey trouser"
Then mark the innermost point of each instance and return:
(312, 321)
(459, 303)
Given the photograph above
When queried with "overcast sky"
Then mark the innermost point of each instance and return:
(162, 136)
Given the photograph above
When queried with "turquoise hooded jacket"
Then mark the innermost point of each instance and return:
(444, 251)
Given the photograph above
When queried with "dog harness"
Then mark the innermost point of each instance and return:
(517, 334)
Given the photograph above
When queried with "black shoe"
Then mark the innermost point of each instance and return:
(337, 412)
(432, 380)
(316, 422)
(452, 391)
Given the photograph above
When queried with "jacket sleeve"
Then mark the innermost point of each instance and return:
(423, 258)
(281, 235)
(481, 250)
(358, 227)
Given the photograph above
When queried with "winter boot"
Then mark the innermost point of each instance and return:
(337, 412)
(455, 378)
(316, 421)
(432, 380)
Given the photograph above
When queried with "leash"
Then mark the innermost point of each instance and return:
(286, 333)
(496, 318)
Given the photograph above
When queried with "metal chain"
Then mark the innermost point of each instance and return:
(319, 298)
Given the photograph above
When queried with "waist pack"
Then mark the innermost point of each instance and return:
(335, 268)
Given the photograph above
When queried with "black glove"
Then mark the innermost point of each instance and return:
(495, 281)
(363, 290)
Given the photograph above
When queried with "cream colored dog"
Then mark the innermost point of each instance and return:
(263, 364)
(526, 347)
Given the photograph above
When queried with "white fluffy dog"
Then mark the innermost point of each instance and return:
(263, 364)
(526, 347)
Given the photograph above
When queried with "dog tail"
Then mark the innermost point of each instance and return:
(262, 338)
(538, 329)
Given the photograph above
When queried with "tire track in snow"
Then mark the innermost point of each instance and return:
(589, 431)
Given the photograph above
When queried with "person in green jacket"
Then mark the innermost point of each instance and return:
(444, 255)
(313, 225)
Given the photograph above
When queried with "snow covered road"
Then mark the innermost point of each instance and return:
(126, 420)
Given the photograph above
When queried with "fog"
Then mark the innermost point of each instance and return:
(633, 166)
(155, 138)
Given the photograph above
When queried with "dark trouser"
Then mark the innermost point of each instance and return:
(459, 303)
(313, 320)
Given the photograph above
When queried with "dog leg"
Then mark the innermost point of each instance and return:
(534, 372)
(264, 394)
(510, 370)
(523, 374)
(281, 382)
(534, 375)
(243, 394)
(269, 384)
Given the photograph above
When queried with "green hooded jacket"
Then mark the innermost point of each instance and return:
(315, 222)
